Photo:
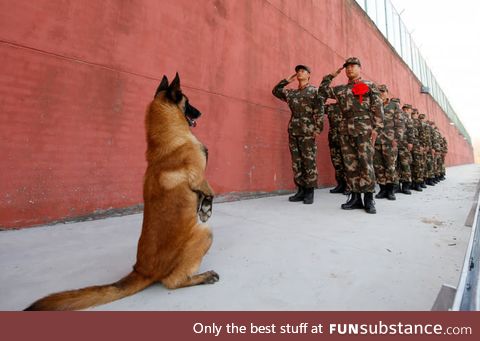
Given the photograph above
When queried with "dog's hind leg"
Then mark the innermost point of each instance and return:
(184, 274)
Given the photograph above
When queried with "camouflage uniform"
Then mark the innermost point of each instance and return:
(385, 157)
(359, 118)
(428, 147)
(437, 146)
(442, 158)
(306, 120)
(418, 162)
(404, 155)
(334, 118)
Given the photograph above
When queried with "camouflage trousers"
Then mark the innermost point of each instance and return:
(357, 152)
(304, 152)
(438, 164)
(385, 162)
(418, 164)
(429, 172)
(336, 156)
(404, 160)
(442, 165)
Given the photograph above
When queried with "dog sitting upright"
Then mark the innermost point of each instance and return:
(172, 243)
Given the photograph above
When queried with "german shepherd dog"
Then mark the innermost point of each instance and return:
(173, 242)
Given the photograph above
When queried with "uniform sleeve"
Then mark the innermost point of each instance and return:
(428, 137)
(376, 108)
(319, 113)
(398, 126)
(437, 143)
(279, 90)
(324, 90)
(411, 131)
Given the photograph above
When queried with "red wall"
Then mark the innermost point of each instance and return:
(76, 76)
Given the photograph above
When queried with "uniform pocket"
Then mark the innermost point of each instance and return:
(362, 125)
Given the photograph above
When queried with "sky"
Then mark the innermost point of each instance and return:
(448, 36)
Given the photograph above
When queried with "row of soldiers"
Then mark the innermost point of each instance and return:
(372, 140)
(409, 155)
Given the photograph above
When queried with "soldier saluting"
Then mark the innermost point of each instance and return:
(362, 113)
(306, 120)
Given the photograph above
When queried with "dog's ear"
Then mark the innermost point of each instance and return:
(174, 92)
(163, 85)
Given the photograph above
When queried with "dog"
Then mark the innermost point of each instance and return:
(175, 192)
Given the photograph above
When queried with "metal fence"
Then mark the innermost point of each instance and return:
(468, 291)
(389, 22)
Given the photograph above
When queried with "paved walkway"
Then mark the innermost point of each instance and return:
(271, 254)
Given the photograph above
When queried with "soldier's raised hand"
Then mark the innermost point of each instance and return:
(291, 78)
(337, 72)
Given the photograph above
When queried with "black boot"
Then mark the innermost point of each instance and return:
(370, 203)
(390, 192)
(383, 192)
(298, 196)
(422, 184)
(406, 188)
(340, 186)
(417, 187)
(396, 188)
(355, 201)
(430, 182)
(442, 177)
(308, 198)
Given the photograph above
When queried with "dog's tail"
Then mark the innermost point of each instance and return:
(92, 296)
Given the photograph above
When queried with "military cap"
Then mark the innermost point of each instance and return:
(383, 88)
(352, 60)
(300, 66)
(407, 106)
(421, 116)
(415, 110)
(395, 100)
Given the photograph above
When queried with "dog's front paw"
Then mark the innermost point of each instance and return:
(211, 277)
(205, 209)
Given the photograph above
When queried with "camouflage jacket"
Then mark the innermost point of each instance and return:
(306, 107)
(444, 146)
(420, 129)
(410, 130)
(334, 118)
(394, 126)
(360, 116)
(427, 135)
(436, 139)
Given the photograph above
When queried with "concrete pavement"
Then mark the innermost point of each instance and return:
(271, 254)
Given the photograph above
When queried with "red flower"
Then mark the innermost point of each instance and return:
(360, 89)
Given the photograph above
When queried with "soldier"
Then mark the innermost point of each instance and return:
(386, 146)
(417, 153)
(334, 119)
(362, 115)
(405, 147)
(428, 151)
(442, 158)
(437, 149)
(306, 120)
